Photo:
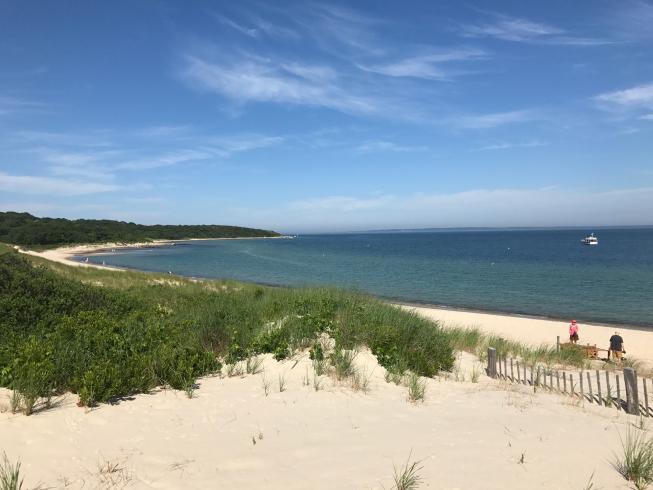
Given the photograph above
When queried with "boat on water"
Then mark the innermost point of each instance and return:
(590, 240)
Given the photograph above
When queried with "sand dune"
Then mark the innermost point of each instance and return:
(467, 435)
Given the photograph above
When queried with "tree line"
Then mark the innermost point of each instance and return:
(26, 229)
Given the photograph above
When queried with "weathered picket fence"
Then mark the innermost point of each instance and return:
(578, 384)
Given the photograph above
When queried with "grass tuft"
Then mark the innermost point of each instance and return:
(416, 388)
(407, 477)
(636, 462)
(10, 478)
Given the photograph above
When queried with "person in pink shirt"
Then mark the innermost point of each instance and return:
(573, 332)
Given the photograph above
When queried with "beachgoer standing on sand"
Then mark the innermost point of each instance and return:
(617, 346)
(573, 332)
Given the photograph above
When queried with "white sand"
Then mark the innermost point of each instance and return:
(467, 436)
(637, 342)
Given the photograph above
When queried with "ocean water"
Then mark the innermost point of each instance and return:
(543, 273)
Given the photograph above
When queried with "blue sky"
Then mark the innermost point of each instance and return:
(303, 116)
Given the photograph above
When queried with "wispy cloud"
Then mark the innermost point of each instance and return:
(248, 31)
(505, 145)
(492, 120)
(428, 66)
(10, 105)
(387, 146)
(647, 117)
(515, 29)
(261, 80)
(28, 184)
(639, 97)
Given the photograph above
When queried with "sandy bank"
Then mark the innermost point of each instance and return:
(232, 435)
(637, 342)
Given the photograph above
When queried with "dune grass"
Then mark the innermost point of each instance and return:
(635, 463)
(407, 477)
(10, 478)
(109, 334)
(476, 342)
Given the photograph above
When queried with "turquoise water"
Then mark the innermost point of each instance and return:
(545, 273)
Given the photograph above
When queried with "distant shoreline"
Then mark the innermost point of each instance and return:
(66, 254)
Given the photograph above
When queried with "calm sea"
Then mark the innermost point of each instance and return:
(545, 272)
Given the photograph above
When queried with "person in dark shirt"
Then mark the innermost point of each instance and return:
(617, 346)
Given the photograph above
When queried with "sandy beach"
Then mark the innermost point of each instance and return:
(485, 435)
(638, 343)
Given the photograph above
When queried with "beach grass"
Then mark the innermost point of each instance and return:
(407, 477)
(635, 463)
(109, 334)
(10, 477)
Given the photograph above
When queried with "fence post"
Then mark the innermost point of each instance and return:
(632, 399)
(491, 362)
(558, 343)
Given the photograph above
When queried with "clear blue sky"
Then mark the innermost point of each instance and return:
(303, 116)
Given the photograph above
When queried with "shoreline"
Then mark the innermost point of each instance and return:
(526, 328)
(65, 255)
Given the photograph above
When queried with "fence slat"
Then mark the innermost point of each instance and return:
(645, 397)
(582, 391)
(589, 387)
(558, 380)
(505, 368)
(512, 373)
(598, 387)
(518, 373)
(608, 395)
(525, 382)
(618, 393)
(564, 381)
(571, 384)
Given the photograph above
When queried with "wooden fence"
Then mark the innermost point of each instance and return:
(600, 387)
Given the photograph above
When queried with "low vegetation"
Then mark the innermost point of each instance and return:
(476, 341)
(10, 478)
(635, 463)
(107, 334)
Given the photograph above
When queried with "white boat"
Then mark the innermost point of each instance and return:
(590, 240)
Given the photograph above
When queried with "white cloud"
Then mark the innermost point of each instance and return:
(248, 31)
(429, 66)
(387, 146)
(506, 146)
(258, 80)
(492, 120)
(27, 184)
(341, 204)
(647, 117)
(639, 97)
(515, 29)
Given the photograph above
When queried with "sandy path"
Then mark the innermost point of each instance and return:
(233, 436)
